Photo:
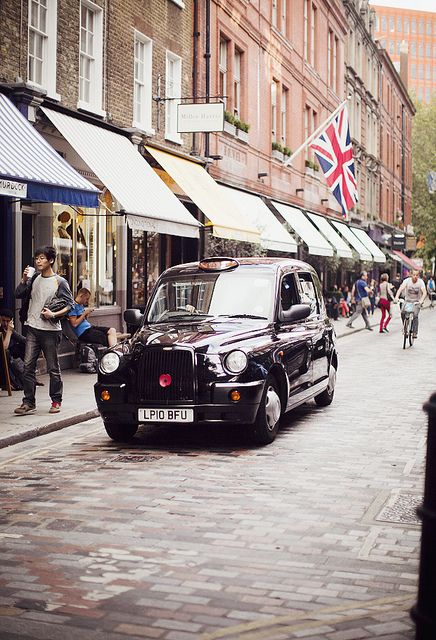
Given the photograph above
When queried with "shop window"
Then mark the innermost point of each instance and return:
(85, 242)
(145, 266)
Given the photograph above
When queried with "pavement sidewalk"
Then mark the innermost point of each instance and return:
(78, 403)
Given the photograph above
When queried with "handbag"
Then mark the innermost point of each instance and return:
(366, 302)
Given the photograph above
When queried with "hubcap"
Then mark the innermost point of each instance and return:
(273, 408)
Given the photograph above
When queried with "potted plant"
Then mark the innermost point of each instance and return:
(308, 167)
(229, 123)
(277, 151)
(242, 130)
(287, 152)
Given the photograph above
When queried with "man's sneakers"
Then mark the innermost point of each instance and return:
(369, 328)
(55, 407)
(24, 409)
(349, 325)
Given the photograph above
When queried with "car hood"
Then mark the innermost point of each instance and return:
(206, 335)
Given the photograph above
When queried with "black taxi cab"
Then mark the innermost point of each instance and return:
(224, 340)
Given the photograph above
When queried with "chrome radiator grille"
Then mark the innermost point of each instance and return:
(155, 362)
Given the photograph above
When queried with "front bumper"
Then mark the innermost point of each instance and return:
(120, 407)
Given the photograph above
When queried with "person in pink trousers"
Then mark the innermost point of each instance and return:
(386, 296)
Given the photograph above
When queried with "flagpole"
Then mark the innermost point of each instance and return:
(314, 134)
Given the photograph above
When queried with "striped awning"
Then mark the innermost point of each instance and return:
(31, 169)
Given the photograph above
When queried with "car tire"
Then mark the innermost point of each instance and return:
(120, 432)
(326, 397)
(266, 425)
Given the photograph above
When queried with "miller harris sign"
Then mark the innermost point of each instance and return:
(200, 117)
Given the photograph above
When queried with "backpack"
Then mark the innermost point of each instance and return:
(88, 358)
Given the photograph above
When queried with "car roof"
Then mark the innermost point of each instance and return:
(273, 263)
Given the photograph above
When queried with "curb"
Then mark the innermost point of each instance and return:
(48, 428)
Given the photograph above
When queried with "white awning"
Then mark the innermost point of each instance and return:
(149, 203)
(316, 243)
(352, 239)
(369, 243)
(341, 247)
(394, 257)
(220, 208)
(273, 235)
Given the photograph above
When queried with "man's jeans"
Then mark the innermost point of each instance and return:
(47, 342)
(360, 310)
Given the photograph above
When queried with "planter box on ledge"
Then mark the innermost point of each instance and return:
(242, 135)
(229, 128)
(278, 155)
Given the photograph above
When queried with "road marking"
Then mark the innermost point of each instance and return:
(44, 449)
(308, 617)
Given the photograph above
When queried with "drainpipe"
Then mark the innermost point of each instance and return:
(196, 36)
(207, 59)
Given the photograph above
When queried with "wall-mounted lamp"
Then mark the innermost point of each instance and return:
(215, 157)
(324, 200)
(262, 174)
(297, 190)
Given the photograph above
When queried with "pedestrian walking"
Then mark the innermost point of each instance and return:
(386, 295)
(46, 298)
(360, 293)
(431, 290)
(372, 296)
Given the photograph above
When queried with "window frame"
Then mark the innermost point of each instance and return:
(49, 49)
(172, 95)
(144, 123)
(96, 76)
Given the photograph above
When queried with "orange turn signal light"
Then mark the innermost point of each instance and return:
(235, 395)
(105, 395)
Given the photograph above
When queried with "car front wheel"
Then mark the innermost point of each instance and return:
(120, 432)
(268, 415)
(326, 397)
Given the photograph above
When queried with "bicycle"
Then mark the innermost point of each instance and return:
(408, 323)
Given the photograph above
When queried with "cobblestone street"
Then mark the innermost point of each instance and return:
(191, 533)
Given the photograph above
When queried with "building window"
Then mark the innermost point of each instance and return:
(421, 49)
(434, 73)
(428, 50)
(237, 64)
(274, 13)
(86, 248)
(413, 48)
(406, 26)
(223, 70)
(428, 28)
(413, 71)
(391, 24)
(399, 24)
(421, 27)
(391, 46)
(274, 111)
(91, 59)
(384, 24)
(428, 71)
(284, 116)
(173, 93)
(309, 32)
(413, 25)
(284, 21)
(42, 45)
(332, 61)
(142, 93)
(421, 71)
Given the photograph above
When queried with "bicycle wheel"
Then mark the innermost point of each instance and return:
(405, 331)
(411, 330)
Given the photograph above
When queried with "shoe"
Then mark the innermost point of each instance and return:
(24, 409)
(385, 330)
(415, 335)
(349, 325)
(55, 407)
(369, 328)
(39, 383)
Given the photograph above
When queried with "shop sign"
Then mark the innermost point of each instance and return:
(398, 241)
(11, 188)
(204, 118)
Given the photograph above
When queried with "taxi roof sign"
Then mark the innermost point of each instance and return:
(218, 264)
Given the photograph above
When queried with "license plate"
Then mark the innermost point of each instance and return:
(165, 415)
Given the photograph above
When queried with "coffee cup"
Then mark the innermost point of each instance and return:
(30, 272)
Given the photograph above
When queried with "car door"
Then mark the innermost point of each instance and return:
(317, 325)
(294, 342)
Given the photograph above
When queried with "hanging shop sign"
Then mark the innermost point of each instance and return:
(11, 188)
(398, 241)
(192, 118)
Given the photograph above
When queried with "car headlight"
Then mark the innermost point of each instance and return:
(109, 362)
(236, 361)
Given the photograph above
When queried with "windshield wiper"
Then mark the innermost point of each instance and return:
(243, 315)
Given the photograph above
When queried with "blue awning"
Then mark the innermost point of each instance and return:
(25, 157)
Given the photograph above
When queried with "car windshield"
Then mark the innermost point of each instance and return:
(240, 293)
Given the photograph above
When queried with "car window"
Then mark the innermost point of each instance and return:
(240, 292)
(288, 292)
(308, 291)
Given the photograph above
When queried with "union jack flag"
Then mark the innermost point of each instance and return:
(335, 155)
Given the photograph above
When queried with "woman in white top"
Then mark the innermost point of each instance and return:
(386, 296)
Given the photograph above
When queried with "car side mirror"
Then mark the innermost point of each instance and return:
(296, 312)
(133, 317)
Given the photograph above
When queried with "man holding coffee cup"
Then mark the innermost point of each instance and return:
(46, 298)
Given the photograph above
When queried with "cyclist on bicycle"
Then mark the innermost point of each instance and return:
(414, 292)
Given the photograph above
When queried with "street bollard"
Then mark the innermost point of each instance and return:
(424, 611)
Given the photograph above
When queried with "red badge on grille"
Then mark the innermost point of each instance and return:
(165, 380)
